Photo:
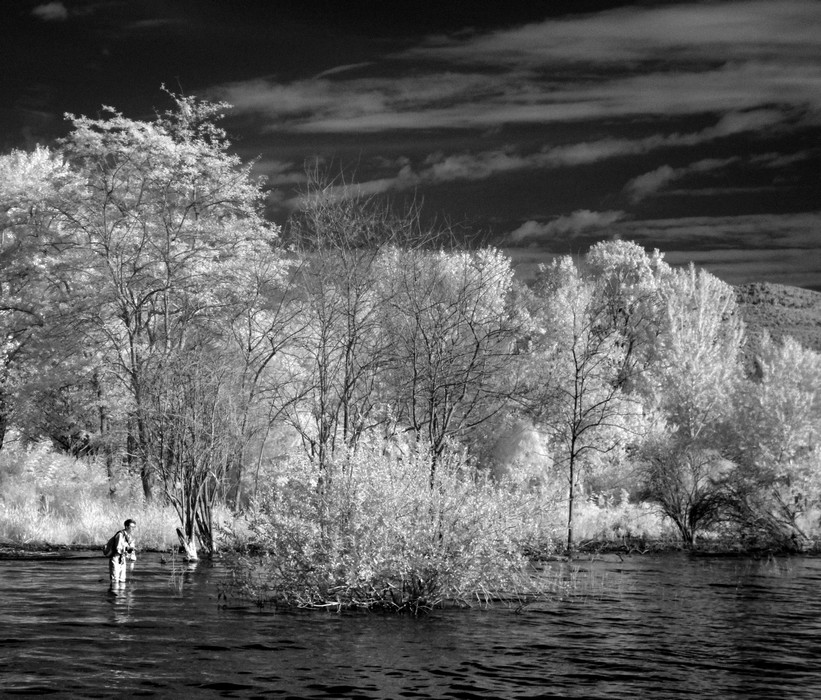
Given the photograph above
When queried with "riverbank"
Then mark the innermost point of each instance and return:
(586, 550)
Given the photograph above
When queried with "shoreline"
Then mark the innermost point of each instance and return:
(587, 550)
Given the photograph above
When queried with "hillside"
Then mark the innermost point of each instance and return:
(782, 310)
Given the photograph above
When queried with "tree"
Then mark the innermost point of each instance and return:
(690, 484)
(775, 433)
(578, 365)
(139, 246)
(39, 348)
(164, 225)
(698, 367)
(630, 284)
(453, 333)
(339, 351)
(196, 405)
(263, 330)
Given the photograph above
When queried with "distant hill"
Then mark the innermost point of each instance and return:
(782, 310)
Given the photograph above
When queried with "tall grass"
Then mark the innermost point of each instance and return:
(614, 518)
(50, 498)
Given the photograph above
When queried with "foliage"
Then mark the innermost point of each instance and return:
(454, 333)
(776, 435)
(629, 286)
(165, 226)
(156, 245)
(38, 349)
(155, 324)
(578, 367)
(382, 537)
(699, 345)
(339, 352)
(49, 497)
(689, 484)
(614, 519)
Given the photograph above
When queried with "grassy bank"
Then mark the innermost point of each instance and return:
(49, 498)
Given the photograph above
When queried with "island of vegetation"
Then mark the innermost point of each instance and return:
(358, 408)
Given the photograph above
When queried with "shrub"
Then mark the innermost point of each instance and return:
(688, 483)
(378, 536)
(610, 519)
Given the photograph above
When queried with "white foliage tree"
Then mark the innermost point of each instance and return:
(777, 433)
(578, 365)
(698, 350)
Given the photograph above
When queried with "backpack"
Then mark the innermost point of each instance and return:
(110, 548)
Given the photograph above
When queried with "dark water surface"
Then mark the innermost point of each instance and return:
(649, 627)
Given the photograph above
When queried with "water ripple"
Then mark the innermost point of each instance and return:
(670, 627)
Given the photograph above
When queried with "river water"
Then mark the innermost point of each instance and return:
(649, 626)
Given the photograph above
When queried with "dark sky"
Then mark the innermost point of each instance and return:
(688, 126)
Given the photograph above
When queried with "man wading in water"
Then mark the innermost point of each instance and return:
(120, 552)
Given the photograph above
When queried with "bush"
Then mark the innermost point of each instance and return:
(376, 535)
(612, 519)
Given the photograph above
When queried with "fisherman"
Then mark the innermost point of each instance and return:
(121, 551)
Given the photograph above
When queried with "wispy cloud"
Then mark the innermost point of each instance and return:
(759, 231)
(51, 12)
(451, 101)
(650, 183)
(753, 29)
(681, 92)
(689, 59)
(565, 227)
(764, 231)
(793, 266)
(440, 168)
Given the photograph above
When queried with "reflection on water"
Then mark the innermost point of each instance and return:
(649, 626)
(122, 598)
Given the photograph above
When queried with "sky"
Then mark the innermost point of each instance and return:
(542, 127)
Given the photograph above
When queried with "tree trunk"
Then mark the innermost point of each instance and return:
(145, 468)
(188, 546)
(3, 426)
(104, 439)
(570, 498)
(4, 418)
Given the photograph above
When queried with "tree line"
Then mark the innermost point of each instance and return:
(153, 317)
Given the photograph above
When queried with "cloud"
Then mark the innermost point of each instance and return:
(796, 267)
(751, 29)
(780, 248)
(277, 172)
(458, 101)
(755, 62)
(405, 180)
(336, 70)
(565, 227)
(440, 168)
(51, 12)
(650, 183)
(762, 231)
(759, 231)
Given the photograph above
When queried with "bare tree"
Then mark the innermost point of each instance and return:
(193, 402)
(690, 484)
(454, 337)
(341, 352)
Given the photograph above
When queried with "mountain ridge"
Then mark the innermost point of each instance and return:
(782, 310)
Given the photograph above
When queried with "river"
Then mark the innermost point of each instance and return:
(666, 626)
